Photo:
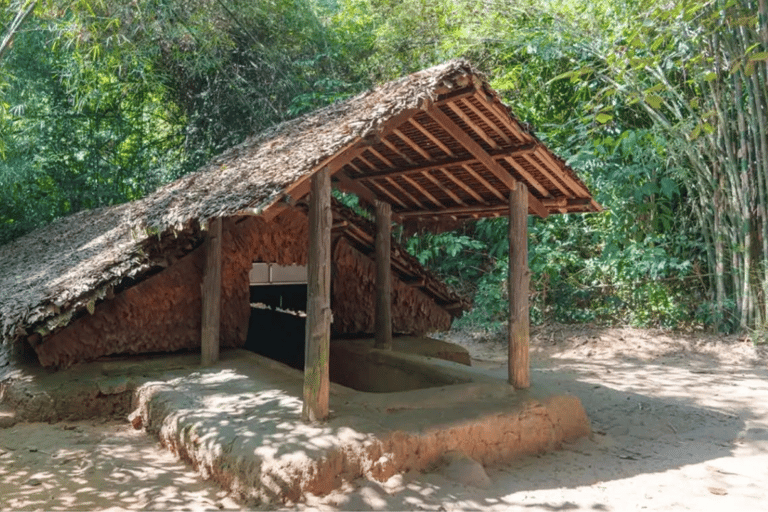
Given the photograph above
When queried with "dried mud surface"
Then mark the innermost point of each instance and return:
(680, 422)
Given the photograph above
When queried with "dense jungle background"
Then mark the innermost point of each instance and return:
(661, 107)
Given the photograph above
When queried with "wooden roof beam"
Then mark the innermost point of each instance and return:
(484, 182)
(412, 145)
(484, 210)
(469, 190)
(475, 149)
(472, 126)
(479, 113)
(434, 164)
(445, 189)
(528, 177)
(437, 142)
(554, 179)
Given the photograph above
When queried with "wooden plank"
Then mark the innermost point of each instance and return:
(423, 191)
(518, 366)
(389, 194)
(528, 177)
(472, 126)
(469, 190)
(437, 142)
(483, 182)
(383, 315)
(444, 162)
(546, 157)
(479, 113)
(484, 210)
(487, 160)
(211, 290)
(318, 331)
(412, 144)
(445, 189)
(550, 176)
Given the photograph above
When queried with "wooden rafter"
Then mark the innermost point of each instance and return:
(546, 157)
(479, 113)
(389, 194)
(445, 189)
(528, 177)
(424, 191)
(412, 144)
(555, 181)
(483, 181)
(475, 149)
(437, 142)
(463, 186)
(407, 194)
(472, 126)
(449, 162)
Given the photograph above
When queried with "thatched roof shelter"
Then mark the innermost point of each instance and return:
(438, 145)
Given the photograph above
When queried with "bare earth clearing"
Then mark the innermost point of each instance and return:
(680, 423)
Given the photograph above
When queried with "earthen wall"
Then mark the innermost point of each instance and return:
(163, 312)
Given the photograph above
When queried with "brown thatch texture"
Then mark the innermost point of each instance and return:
(67, 266)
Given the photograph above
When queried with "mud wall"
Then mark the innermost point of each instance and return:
(354, 298)
(163, 312)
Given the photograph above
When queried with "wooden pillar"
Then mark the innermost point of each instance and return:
(519, 279)
(383, 314)
(211, 288)
(318, 336)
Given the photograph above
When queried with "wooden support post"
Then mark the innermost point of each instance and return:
(383, 315)
(211, 287)
(318, 337)
(519, 280)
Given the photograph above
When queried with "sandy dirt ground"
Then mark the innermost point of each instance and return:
(680, 422)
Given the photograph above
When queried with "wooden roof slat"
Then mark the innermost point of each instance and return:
(407, 194)
(445, 189)
(479, 113)
(392, 147)
(528, 177)
(486, 159)
(546, 157)
(435, 164)
(381, 157)
(463, 185)
(512, 124)
(437, 142)
(564, 189)
(412, 144)
(473, 126)
(388, 194)
(484, 182)
(423, 191)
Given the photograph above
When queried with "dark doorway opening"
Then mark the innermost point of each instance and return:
(277, 323)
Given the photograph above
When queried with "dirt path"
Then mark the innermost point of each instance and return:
(680, 423)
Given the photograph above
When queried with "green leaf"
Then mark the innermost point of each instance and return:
(758, 56)
(603, 118)
(654, 101)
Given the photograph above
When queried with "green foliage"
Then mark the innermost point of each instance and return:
(102, 101)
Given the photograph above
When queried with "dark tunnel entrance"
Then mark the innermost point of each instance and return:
(277, 323)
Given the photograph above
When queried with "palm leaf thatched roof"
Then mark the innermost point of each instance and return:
(435, 144)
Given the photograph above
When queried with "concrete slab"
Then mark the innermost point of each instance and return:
(238, 422)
